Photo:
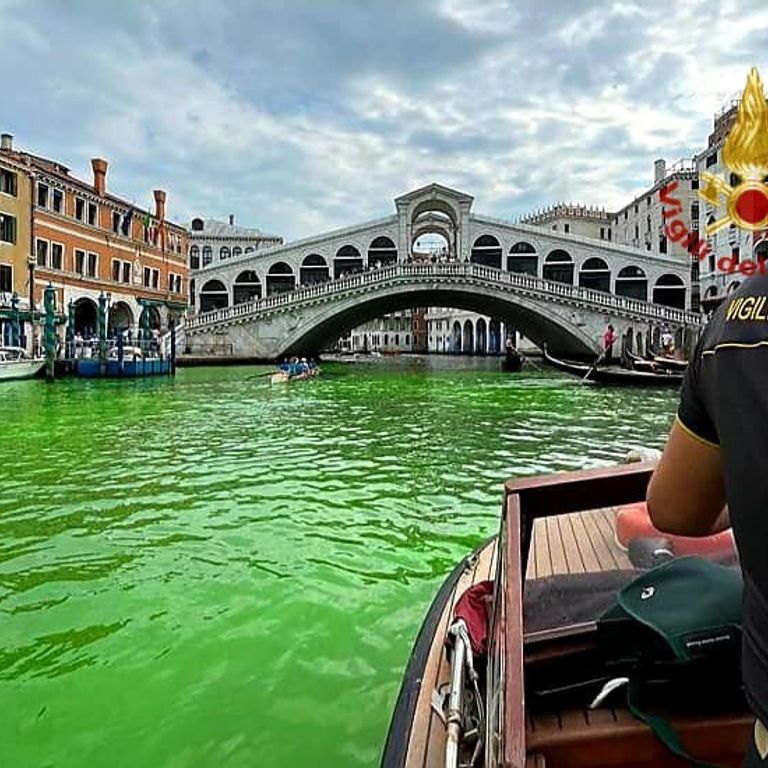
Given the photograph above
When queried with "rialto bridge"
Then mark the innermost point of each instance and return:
(555, 288)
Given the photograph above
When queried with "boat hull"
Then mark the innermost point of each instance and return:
(20, 369)
(615, 376)
(128, 369)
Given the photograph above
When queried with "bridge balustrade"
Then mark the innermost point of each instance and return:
(468, 270)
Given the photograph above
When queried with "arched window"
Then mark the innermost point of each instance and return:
(224, 252)
(523, 259)
(481, 336)
(347, 262)
(213, 295)
(468, 342)
(280, 279)
(249, 249)
(237, 251)
(197, 225)
(632, 283)
(486, 251)
(194, 257)
(761, 251)
(456, 337)
(558, 266)
(669, 291)
(207, 255)
(381, 252)
(733, 286)
(314, 270)
(594, 274)
(247, 287)
(710, 292)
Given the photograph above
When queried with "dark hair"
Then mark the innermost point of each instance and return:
(610, 326)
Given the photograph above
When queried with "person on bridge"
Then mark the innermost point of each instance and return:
(609, 339)
(710, 475)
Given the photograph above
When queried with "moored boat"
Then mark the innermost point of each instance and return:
(15, 363)
(614, 375)
(526, 684)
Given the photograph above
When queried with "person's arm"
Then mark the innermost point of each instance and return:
(686, 495)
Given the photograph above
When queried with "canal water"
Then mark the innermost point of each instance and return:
(209, 571)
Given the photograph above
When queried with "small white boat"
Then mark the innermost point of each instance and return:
(130, 354)
(16, 364)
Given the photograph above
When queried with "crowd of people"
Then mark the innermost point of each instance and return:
(298, 367)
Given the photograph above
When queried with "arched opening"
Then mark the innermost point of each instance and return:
(120, 318)
(381, 252)
(456, 336)
(558, 267)
(86, 317)
(224, 252)
(430, 245)
(523, 259)
(348, 261)
(237, 251)
(486, 251)
(194, 257)
(468, 342)
(481, 337)
(314, 270)
(207, 255)
(436, 216)
(669, 291)
(153, 315)
(711, 292)
(632, 283)
(733, 286)
(761, 251)
(280, 279)
(213, 295)
(197, 225)
(594, 274)
(247, 287)
(494, 337)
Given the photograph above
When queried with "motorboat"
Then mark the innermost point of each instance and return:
(15, 363)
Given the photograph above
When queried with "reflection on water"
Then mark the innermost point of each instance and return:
(213, 571)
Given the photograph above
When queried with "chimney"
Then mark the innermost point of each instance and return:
(659, 171)
(231, 219)
(99, 175)
(159, 204)
(6, 142)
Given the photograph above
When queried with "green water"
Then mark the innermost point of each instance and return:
(209, 571)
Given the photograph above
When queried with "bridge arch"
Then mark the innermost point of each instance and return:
(213, 295)
(382, 251)
(280, 278)
(314, 270)
(486, 250)
(523, 259)
(456, 336)
(632, 283)
(347, 261)
(595, 274)
(481, 336)
(558, 266)
(669, 290)
(247, 287)
(468, 340)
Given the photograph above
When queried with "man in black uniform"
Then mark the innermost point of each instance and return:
(715, 452)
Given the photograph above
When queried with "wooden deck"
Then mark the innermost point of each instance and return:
(580, 542)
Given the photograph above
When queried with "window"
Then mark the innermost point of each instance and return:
(126, 271)
(79, 262)
(695, 183)
(602, 233)
(42, 195)
(58, 201)
(237, 251)
(79, 209)
(735, 254)
(7, 228)
(171, 281)
(93, 264)
(146, 277)
(711, 160)
(6, 278)
(115, 222)
(116, 271)
(192, 292)
(92, 211)
(8, 182)
(178, 284)
(57, 255)
(194, 257)
(155, 278)
(224, 252)
(566, 228)
(609, 233)
(207, 255)
(42, 253)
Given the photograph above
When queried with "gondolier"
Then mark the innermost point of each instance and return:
(609, 339)
(711, 458)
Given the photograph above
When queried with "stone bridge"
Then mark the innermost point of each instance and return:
(570, 319)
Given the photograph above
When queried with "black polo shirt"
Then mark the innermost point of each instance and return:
(724, 402)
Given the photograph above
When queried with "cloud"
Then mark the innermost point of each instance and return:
(301, 116)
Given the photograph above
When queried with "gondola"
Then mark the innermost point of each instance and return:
(614, 375)
(512, 362)
(667, 363)
(527, 696)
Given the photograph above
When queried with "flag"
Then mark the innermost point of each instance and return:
(125, 224)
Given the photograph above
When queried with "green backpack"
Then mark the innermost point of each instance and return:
(674, 637)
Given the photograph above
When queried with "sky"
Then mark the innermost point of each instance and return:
(300, 116)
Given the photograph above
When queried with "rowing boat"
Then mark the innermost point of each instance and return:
(614, 375)
(553, 569)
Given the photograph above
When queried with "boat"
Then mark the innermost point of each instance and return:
(530, 700)
(15, 363)
(613, 374)
(130, 363)
(666, 362)
(286, 376)
(513, 361)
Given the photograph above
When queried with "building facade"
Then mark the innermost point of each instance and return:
(15, 245)
(213, 242)
(86, 242)
(581, 220)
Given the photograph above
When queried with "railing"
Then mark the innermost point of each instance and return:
(525, 284)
